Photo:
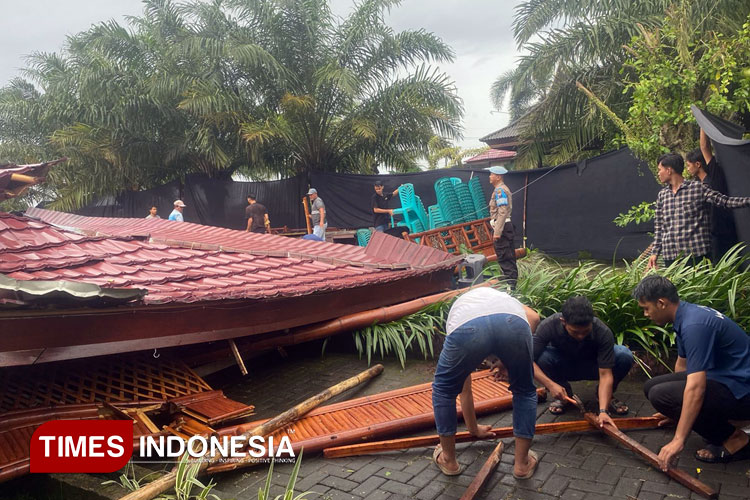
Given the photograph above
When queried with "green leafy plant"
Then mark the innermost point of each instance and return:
(677, 65)
(401, 336)
(264, 493)
(187, 480)
(637, 214)
(545, 285)
(128, 480)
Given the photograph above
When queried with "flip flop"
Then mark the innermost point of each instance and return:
(443, 469)
(722, 456)
(618, 407)
(531, 472)
(557, 407)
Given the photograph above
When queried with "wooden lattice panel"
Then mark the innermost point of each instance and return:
(378, 416)
(112, 379)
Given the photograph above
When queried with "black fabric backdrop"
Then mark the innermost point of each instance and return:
(211, 202)
(569, 211)
(733, 156)
(222, 203)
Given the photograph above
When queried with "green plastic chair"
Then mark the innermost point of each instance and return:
(363, 237)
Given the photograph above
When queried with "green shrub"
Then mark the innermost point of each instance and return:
(544, 285)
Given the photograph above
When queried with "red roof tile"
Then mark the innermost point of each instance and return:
(492, 154)
(184, 262)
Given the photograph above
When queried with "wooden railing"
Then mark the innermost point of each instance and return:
(475, 235)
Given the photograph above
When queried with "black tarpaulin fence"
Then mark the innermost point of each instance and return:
(733, 158)
(569, 209)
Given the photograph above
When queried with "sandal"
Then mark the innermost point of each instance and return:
(557, 407)
(533, 456)
(721, 455)
(618, 407)
(443, 468)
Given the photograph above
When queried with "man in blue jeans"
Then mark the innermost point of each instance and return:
(483, 323)
(575, 345)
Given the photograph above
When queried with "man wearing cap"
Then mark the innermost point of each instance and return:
(380, 208)
(318, 214)
(176, 214)
(256, 215)
(503, 233)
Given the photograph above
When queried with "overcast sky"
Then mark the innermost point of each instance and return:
(478, 30)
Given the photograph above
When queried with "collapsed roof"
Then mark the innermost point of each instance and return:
(193, 283)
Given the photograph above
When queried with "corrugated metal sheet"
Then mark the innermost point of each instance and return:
(183, 262)
(492, 154)
(162, 230)
(400, 250)
(508, 132)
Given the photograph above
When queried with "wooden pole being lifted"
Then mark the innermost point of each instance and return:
(307, 214)
(484, 473)
(678, 475)
(167, 481)
(465, 437)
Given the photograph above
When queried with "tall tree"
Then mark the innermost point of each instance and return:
(264, 87)
(565, 42)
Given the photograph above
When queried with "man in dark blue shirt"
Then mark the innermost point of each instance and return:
(711, 381)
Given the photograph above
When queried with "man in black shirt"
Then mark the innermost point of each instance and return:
(380, 208)
(574, 345)
(256, 215)
(702, 165)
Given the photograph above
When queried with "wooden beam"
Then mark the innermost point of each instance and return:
(484, 473)
(465, 437)
(678, 475)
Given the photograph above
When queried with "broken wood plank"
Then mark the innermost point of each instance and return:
(237, 357)
(464, 437)
(167, 481)
(484, 473)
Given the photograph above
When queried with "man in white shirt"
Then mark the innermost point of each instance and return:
(483, 323)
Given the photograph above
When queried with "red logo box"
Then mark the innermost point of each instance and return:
(81, 446)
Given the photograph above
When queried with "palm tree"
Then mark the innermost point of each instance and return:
(570, 42)
(264, 87)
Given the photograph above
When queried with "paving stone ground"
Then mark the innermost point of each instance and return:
(573, 466)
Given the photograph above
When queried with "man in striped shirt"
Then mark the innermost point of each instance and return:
(682, 225)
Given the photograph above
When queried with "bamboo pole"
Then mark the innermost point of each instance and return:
(465, 437)
(678, 475)
(354, 321)
(167, 481)
(484, 473)
(25, 179)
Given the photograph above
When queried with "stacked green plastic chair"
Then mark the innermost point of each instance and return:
(363, 237)
(466, 201)
(435, 216)
(448, 202)
(422, 213)
(477, 195)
